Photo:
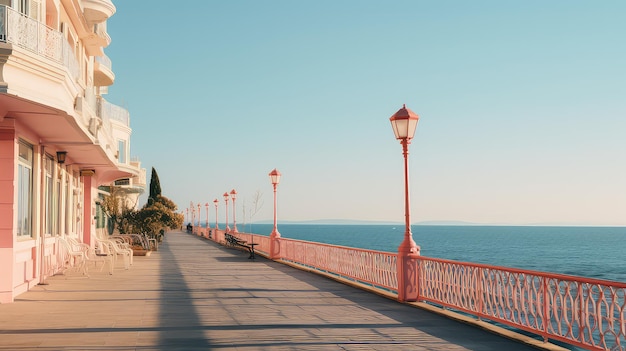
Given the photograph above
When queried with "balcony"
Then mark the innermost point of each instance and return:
(36, 37)
(98, 11)
(102, 73)
(96, 40)
(110, 112)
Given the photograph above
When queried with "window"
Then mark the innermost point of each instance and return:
(49, 188)
(68, 206)
(29, 8)
(121, 150)
(57, 205)
(100, 216)
(25, 190)
(22, 7)
(120, 182)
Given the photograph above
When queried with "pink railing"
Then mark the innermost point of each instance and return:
(584, 312)
(376, 268)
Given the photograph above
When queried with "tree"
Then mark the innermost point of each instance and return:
(117, 208)
(155, 187)
(248, 214)
(153, 218)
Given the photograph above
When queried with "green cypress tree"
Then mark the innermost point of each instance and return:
(155, 187)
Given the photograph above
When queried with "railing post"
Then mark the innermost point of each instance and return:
(408, 289)
(545, 309)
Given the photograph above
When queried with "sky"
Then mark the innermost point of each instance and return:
(522, 107)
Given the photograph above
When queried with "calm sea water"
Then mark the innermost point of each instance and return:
(595, 252)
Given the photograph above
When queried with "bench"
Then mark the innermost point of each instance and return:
(232, 240)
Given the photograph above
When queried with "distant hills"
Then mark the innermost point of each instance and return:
(443, 223)
(366, 222)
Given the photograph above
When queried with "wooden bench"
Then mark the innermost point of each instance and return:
(232, 240)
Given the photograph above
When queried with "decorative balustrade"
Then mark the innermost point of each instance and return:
(111, 112)
(104, 61)
(32, 35)
(376, 268)
(585, 312)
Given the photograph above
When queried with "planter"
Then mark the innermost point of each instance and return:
(141, 252)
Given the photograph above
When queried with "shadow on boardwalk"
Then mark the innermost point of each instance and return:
(193, 294)
(225, 300)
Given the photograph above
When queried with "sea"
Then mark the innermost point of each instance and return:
(593, 252)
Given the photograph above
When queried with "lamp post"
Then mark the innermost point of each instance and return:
(192, 209)
(226, 205)
(404, 123)
(187, 214)
(207, 216)
(275, 235)
(233, 196)
(199, 214)
(216, 201)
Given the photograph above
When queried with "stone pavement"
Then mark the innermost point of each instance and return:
(194, 294)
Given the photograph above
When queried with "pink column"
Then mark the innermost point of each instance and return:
(88, 213)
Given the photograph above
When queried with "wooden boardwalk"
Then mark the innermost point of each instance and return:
(194, 294)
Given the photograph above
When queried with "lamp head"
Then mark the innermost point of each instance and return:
(404, 123)
(275, 176)
(61, 156)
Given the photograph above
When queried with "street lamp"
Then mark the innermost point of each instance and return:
(275, 179)
(199, 214)
(404, 123)
(216, 201)
(226, 205)
(192, 209)
(207, 216)
(233, 195)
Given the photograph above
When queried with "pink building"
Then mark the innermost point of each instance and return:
(61, 143)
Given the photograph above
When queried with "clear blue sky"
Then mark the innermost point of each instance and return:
(522, 106)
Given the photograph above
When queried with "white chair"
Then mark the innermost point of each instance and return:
(115, 249)
(75, 257)
(92, 256)
(122, 248)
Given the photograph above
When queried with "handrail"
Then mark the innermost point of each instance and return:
(584, 312)
(376, 268)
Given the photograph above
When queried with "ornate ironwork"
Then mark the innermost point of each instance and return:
(585, 312)
(589, 313)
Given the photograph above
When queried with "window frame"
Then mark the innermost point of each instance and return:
(24, 228)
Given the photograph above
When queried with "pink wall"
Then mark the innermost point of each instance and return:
(7, 179)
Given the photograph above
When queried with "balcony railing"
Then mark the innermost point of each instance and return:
(29, 34)
(588, 313)
(104, 61)
(111, 112)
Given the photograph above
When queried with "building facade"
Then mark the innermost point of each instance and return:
(61, 142)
